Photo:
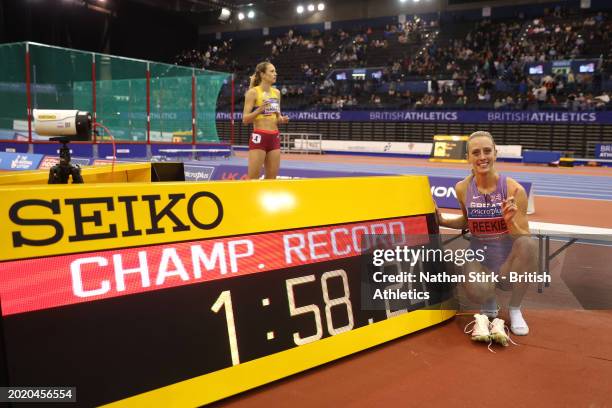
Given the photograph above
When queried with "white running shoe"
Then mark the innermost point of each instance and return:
(480, 328)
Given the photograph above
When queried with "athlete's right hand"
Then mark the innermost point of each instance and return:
(263, 107)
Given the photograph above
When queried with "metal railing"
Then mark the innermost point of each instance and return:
(303, 143)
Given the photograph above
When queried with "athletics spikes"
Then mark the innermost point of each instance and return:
(480, 328)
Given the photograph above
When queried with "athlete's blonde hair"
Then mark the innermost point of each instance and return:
(260, 69)
(481, 133)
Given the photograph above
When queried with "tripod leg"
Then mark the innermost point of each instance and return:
(55, 175)
(77, 178)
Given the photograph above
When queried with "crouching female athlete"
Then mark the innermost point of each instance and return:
(262, 108)
(495, 211)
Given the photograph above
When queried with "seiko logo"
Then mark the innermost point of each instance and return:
(123, 206)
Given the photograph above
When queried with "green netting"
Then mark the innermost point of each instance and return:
(62, 79)
(13, 102)
(171, 102)
(56, 75)
(208, 86)
(121, 97)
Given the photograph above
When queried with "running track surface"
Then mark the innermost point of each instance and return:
(586, 183)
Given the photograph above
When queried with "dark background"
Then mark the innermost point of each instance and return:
(130, 29)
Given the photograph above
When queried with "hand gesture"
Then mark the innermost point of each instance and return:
(264, 106)
(283, 119)
(509, 207)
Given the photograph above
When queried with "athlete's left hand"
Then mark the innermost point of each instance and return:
(509, 207)
(283, 119)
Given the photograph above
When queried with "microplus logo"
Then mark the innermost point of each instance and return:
(197, 175)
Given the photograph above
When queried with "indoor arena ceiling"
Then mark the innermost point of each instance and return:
(209, 5)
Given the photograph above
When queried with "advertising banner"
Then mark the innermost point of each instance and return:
(19, 161)
(450, 116)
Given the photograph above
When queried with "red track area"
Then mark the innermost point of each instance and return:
(566, 360)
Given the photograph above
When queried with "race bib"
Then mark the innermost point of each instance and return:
(273, 107)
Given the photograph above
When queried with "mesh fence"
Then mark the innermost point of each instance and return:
(208, 87)
(121, 97)
(170, 102)
(63, 79)
(13, 101)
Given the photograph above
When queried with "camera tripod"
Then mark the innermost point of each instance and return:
(60, 173)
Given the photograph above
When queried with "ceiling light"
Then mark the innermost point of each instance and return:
(321, 7)
(225, 14)
(240, 16)
(311, 7)
(251, 14)
(300, 9)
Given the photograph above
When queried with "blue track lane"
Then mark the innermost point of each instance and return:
(545, 184)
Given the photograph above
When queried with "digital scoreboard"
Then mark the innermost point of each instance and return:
(182, 294)
(449, 149)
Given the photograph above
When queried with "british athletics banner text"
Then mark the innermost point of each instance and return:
(445, 116)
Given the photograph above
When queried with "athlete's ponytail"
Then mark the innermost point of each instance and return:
(260, 69)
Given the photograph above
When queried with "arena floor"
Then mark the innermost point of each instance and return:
(566, 360)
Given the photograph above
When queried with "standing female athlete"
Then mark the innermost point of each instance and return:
(262, 108)
(498, 224)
